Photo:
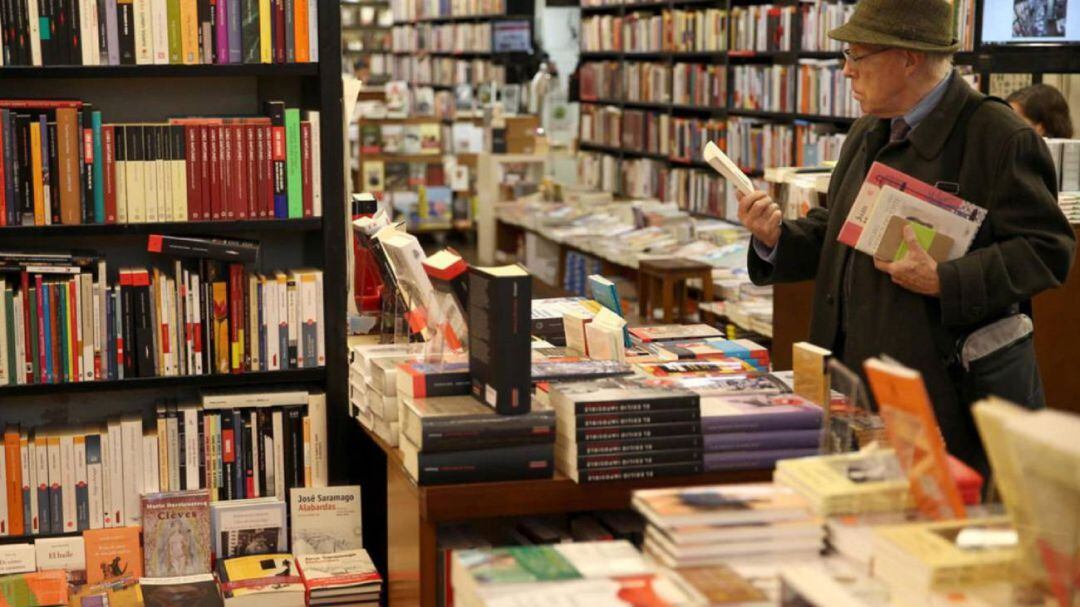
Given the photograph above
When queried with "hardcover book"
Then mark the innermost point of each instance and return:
(248, 527)
(499, 353)
(112, 554)
(17, 558)
(461, 422)
(324, 572)
(528, 461)
(811, 367)
(325, 519)
(67, 553)
(264, 580)
(200, 590)
(176, 532)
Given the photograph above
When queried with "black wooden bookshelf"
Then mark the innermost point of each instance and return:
(254, 380)
(294, 70)
(726, 58)
(311, 224)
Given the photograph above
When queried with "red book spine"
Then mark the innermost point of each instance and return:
(251, 169)
(225, 166)
(239, 170)
(42, 367)
(204, 173)
(191, 163)
(74, 332)
(28, 357)
(279, 31)
(268, 171)
(108, 150)
(236, 317)
(305, 164)
(215, 171)
(3, 189)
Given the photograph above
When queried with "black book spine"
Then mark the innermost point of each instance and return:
(228, 454)
(276, 111)
(632, 446)
(125, 25)
(144, 330)
(636, 432)
(10, 167)
(22, 33)
(26, 191)
(263, 424)
(640, 472)
(5, 32)
(86, 167)
(613, 420)
(442, 384)
(637, 405)
(54, 174)
(103, 33)
(44, 18)
(487, 465)
(243, 457)
(127, 295)
(211, 44)
(246, 323)
(74, 19)
(500, 357)
(249, 30)
(650, 458)
(181, 447)
(56, 32)
(294, 447)
(206, 38)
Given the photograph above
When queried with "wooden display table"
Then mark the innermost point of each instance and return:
(414, 513)
(667, 278)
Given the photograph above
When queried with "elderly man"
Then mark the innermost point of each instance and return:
(924, 120)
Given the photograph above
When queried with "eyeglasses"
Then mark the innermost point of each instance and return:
(852, 59)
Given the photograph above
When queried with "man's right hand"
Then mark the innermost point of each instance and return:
(759, 214)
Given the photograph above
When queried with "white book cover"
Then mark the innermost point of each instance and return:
(175, 344)
(246, 527)
(320, 322)
(292, 295)
(720, 162)
(278, 424)
(20, 338)
(151, 478)
(162, 425)
(41, 478)
(162, 180)
(98, 307)
(148, 166)
(268, 462)
(270, 302)
(172, 423)
(4, 522)
(88, 332)
(159, 30)
(121, 187)
(35, 34)
(30, 467)
(131, 446)
(56, 504)
(179, 193)
(325, 519)
(254, 400)
(28, 488)
(103, 318)
(4, 379)
(890, 202)
(190, 418)
(208, 453)
(95, 484)
(82, 495)
(116, 475)
(313, 33)
(165, 326)
(88, 32)
(62, 553)
(316, 134)
(189, 323)
(17, 558)
(253, 321)
(67, 481)
(319, 455)
(75, 310)
(135, 190)
(197, 319)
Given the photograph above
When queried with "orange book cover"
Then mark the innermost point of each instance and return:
(37, 185)
(13, 469)
(915, 435)
(36, 588)
(300, 30)
(113, 554)
(219, 292)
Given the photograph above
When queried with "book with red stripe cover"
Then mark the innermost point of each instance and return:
(305, 167)
(236, 317)
(75, 332)
(205, 195)
(239, 170)
(108, 149)
(251, 169)
(3, 186)
(192, 165)
(214, 144)
(266, 191)
(227, 183)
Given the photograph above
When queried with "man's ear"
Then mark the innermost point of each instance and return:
(913, 61)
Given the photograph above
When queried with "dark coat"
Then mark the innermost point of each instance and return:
(1025, 246)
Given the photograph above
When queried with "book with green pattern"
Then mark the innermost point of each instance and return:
(294, 179)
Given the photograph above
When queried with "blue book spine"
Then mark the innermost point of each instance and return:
(235, 45)
(238, 442)
(283, 345)
(93, 458)
(82, 505)
(44, 520)
(46, 303)
(99, 169)
(28, 516)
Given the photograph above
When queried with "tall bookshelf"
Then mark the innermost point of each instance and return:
(366, 45)
(136, 93)
(727, 58)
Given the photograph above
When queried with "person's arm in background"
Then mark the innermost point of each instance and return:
(781, 251)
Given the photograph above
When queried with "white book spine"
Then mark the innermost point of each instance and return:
(20, 339)
(41, 478)
(116, 475)
(88, 311)
(168, 342)
(191, 447)
(189, 330)
(219, 463)
(173, 424)
(118, 329)
(108, 510)
(151, 482)
(179, 183)
(35, 33)
(67, 481)
(270, 303)
(100, 363)
(316, 138)
(136, 188)
(279, 454)
(320, 322)
(208, 455)
(283, 319)
(163, 178)
(4, 521)
(56, 506)
(91, 36)
(307, 451)
(95, 484)
(121, 181)
(160, 31)
(4, 328)
(292, 296)
(319, 454)
(179, 322)
(82, 509)
(144, 42)
(197, 319)
(313, 33)
(131, 445)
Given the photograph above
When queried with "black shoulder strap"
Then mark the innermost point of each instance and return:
(953, 157)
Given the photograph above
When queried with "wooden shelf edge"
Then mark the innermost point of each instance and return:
(177, 227)
(161, 71)
(260, 378)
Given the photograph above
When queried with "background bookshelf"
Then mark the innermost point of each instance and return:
(365, 40)
(135, 93)
(657, 79)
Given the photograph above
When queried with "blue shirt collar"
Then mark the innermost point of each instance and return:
(927, 104)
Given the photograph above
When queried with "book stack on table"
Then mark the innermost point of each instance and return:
(367, 398)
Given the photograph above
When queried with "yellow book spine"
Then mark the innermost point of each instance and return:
(189, 32)
(35, 174)
(265, 35)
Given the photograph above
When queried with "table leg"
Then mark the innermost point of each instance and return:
(406, 539)
(669, 295)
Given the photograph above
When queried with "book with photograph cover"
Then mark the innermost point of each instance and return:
(199, 590)
(176, 533)
(249, 527)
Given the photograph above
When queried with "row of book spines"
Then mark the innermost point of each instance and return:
(186, 170)
(161, 32)
(77, 329)
(66, 481)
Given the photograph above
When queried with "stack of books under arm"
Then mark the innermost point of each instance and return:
(732, 523)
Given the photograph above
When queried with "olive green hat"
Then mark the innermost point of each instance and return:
(918, 25)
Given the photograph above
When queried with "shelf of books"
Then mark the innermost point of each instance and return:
(366, 40)
(656, 84)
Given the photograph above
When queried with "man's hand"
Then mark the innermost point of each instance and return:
(759, 214)
(917, 271)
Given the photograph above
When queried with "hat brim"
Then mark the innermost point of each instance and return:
(857, 34)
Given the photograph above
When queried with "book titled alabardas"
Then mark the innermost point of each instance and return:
(176, 533)
(325, 519)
